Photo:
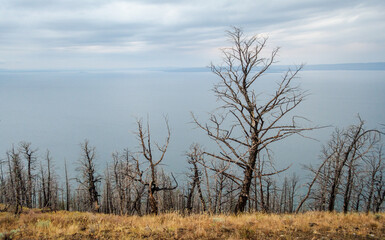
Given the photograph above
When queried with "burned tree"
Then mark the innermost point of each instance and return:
(146, 156)
(89, 177)
(249, 121)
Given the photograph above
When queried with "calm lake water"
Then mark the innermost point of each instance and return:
(58, 110)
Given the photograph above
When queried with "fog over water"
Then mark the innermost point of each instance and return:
(58, 110)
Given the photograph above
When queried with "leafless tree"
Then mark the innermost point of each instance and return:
(310, 185)
(149, 176)
(249, 122)
(30, 156)
(16, 179)
(89, 177)
(347, 148)
(194, 157)
(375, 168)
(46, 178)
(108, 198)
(3, 189)
(342, 163)
(68, 191)
(288, 193)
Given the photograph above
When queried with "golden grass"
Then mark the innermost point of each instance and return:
(34, 224)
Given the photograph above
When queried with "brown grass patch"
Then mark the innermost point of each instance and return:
(77, 225)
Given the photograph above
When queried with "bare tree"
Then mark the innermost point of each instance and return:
(149, 176)
(342, 163)
(107, 206)
(347, 147)
(311, 184)
(89, 177)
(47, 182)
(16, 179)
(30, 156)
(249, 123)
(194, 157)
(3, 189)
(375, 168)
(68, 194)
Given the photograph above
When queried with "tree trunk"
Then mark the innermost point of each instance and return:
(245, 190)
(152, 201)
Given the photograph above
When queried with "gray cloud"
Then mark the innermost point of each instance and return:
(166, 33)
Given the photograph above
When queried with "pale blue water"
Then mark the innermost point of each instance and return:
(58, 110)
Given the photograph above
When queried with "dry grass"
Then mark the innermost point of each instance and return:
(34, 224)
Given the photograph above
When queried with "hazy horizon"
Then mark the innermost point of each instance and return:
(360, 66)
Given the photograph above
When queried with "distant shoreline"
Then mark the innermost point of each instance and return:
(373, 66)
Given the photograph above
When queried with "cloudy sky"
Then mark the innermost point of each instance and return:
(111, 34)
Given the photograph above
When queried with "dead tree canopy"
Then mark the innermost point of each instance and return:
(249, 121)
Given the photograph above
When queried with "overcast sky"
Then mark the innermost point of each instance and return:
(110, 34)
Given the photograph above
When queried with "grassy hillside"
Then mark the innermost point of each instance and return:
(34, 224)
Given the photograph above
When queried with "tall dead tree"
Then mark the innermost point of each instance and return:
(47, 182)
(250, 121)
(68, 194)
(89, 177)
(30, 156)
(146, 156)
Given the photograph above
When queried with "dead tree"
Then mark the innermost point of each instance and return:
(121, 183)
(342, 161)
(249, 122)
(375, 168)
(68, 194)
(379, 196)
(347, 147)
(220, 183)
(293, 184)
(194, 157)
(311, 184)
(3, 191)
(47, 182)
(30, 156)
(89, 177)
(107, 206)
(16, 179)
(146, 156)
